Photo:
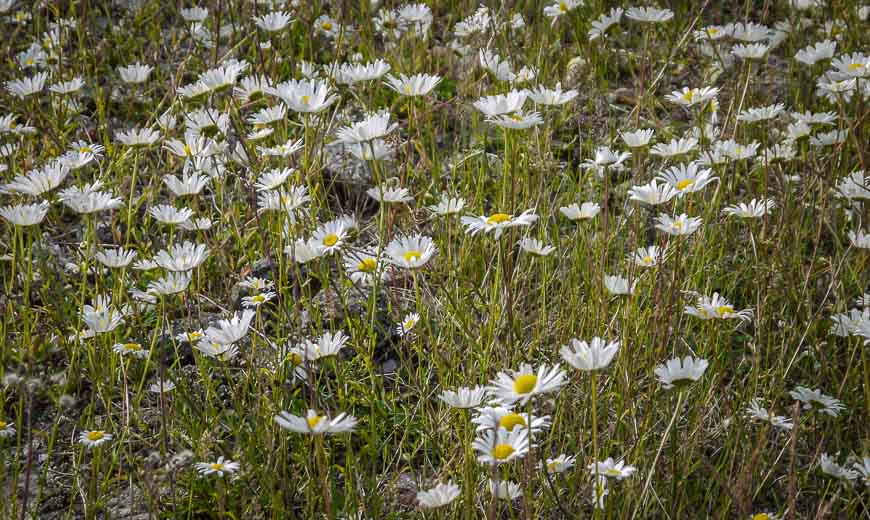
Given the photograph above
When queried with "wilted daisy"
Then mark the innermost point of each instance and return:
(595, 355)
(680, 372)
(505, 489)
(161, 387)
(495, 447)
(463, 397)
(757, 411)
(410, 252)
(220, 467)
(518, 386)
(649, 14)
(315, 423)
(750, 51)
(817, 401)
(94, 438)
(328, 344)
(604, 22)
(135, 73)
(497, 222)
(611, 469)
(439, 496)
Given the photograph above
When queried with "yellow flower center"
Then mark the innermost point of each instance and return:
(511, 420)
(132, 347)
(563, 7)
(409, 324)
(525, 383)
(29, 61)
(187, 150)
(722, 310)
(553, 465)
(648, 260)
(685, 183)
(516, 117)
(85, 149)
(678, 224)
(330, 240)
(95, 435)
(502, 451)
(305, 100)
(497, 218)
(294, 358)
(326, 26)
(761, 516)
(314, 421)
(407, 89)
(712, 31)
(412, 255)
(195, 335)
(367, 265)
(855, 66)
(3, 425)
(259, 298)
(689, 96)
(612, 472)
(217, 466)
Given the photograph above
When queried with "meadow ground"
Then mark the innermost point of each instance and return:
(444, 260)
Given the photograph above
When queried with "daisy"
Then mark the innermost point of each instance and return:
(188, 184)
(560, 8)
(751, 51)
(653, 193)
(186, 256)
(464, 397)
(500, 104)
(273, 22)
(687, 177)
(816, 400)
(604, 22)
(675, 147)
(535, 247)
(374, 126)
(252, 88)
(94, 438)
(756, 208)
(691, 96)
(130, 349)
(38, 182)
(171, 283)
(408, 323)
(561, 464)
(638, 138)
(22, 88)
(101, 317)
(517, 120)
(364, 267)
(500, 417)
(257, 299)
(305, 96)
(316, 424)
(220, 467)
(230, 330)
(327, 345)
(611, 469)
(594, 355)
(7, 430)
(374, 150)
(677, 372)
(390, 194)
(518, 386)
(138, 137)
(756, 114)
(411, 86)
(505, 489)
(439, 496)
(716, 307)
(447, 205)
(353, 73)
(171, 215)
(497, 222)
(25, 215)
(648, 256)
(551, 97)
(681, 226)
(410, 252)
(495, 447)
(830, 467)
(617, 285)
(498, 67)
(585, 211)
(823, 50)
(116, 258)
(649, 14)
